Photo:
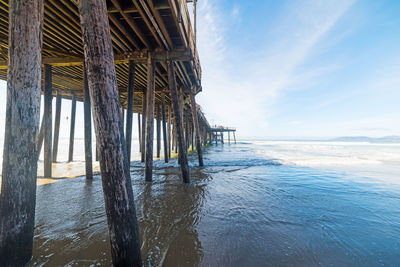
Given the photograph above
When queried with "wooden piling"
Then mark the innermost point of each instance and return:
(72, 130)
(158, 130)
(139, 133)
(118, 195)
(196, 129)
(40, 137)
(178, 122)
(187, 135)
(129, 110)
(234, 137)
(122, 116)
(18, 185)
(87, 129)
(57, 127)
(149, 120)
(169, 131)
(192, 135)
(164, 127)
(144, 107)
(48, 97)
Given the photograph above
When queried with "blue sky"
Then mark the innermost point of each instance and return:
(301, 68)
(295, 69)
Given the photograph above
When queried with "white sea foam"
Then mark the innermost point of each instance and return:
(377, 160)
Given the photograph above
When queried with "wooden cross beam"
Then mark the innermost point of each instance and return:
(139, 57)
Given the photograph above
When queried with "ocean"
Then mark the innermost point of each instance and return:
(254, 203)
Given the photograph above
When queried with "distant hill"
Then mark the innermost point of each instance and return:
(385, 139)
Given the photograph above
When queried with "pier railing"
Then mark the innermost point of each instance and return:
(184, 18)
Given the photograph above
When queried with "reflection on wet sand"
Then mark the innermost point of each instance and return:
(71, 224)
(242, 209)
(168, 215)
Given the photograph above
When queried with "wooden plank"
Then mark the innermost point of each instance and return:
(118, 195)
(149, 121)
(138, 57)
(18, 185)
(178, 122)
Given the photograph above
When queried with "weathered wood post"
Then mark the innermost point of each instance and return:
(229, 137)
(40, 136)
(88, 128)
(169, 131)
(48, 97)
(196, 128)
(144, 107)
(114, 166)
(57, 126)
(178, 121)
(139, 132)
(174, 136)
(129, 110)
(18, 186)
(122, 115)
(187, 134)
(72, 130)
(234, 137)
(164, 127)
(192, 135)
(149, 120)
(158, 131)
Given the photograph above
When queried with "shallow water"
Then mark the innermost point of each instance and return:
(242, 209)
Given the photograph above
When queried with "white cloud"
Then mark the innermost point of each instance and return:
(235, 11)
(243, 95)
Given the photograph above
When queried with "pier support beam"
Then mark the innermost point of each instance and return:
(178, 122)
(18, 186)
(122, 116)
(57, 127)
(169, 131)
(164, 127)
(129, 110)
(118, 195)
(196, 129)
(149, 120)
(187, 134)
(158, 115)
(48, 97)
(72, 130)
(87, 129)
(139, 133)
(40, 137)
(144, 107)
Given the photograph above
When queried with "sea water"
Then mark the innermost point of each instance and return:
(255, 203)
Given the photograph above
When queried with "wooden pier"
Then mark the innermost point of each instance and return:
(118, 57)
(218, 132)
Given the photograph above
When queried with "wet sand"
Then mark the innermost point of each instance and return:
(242, 209)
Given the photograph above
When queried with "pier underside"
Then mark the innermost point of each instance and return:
(118, 57)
